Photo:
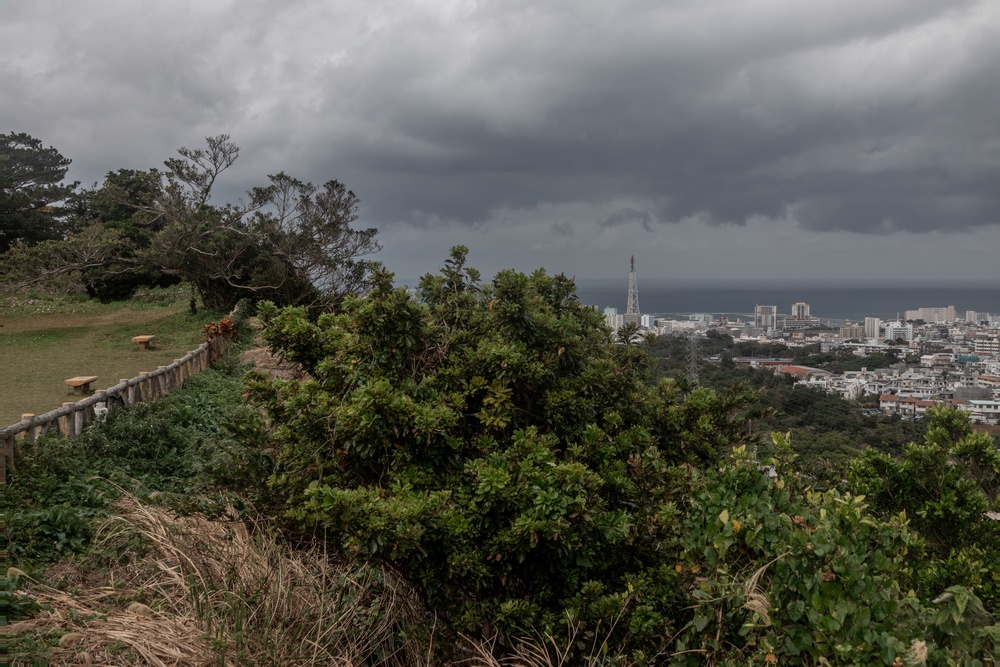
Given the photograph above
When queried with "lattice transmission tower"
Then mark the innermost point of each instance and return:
(633, 291)
(693, 358)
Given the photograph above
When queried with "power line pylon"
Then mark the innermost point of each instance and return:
(693, 358)
(633, 291)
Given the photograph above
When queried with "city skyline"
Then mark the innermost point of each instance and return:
(825, 302)
(768, 141)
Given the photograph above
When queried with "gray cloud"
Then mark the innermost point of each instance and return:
(562, 228)
(624, 216)
(857, 116)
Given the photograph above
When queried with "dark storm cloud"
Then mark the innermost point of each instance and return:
(624, 216)
(867, 118)
(850, 115)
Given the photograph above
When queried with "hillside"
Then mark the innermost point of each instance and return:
(45, 340)
(486, 477)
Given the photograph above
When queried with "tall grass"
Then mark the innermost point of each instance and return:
(261, 602)
(217, 591)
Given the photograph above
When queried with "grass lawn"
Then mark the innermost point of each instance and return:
(44, 341)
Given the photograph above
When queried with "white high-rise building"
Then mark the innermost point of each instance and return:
(872, 327)
(765, 317)
(987, 343)
(896, 330)
(800, 318)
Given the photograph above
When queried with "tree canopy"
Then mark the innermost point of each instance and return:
(946, 486)
(288, 241)
(31, 190)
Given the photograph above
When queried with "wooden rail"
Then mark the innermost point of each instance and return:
(71, 418)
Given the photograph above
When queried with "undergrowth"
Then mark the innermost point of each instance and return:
(176, 446)
(168, 549)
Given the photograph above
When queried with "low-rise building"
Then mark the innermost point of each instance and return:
(986, 343)
(983, 412)
(849, 331)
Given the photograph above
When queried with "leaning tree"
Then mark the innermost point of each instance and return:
(288, 241)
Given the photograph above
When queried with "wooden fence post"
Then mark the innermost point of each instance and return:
(6, 457)
(78, 421)
(29, 417)
(162, 381)
(67, 423)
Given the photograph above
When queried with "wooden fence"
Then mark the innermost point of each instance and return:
(71, 418)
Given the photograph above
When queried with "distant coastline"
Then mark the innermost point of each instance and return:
(827, 302)
(852, 300)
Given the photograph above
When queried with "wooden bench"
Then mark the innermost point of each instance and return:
(143, 341)
(81, 383)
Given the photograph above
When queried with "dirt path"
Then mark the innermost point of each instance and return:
(71, 321)
(264, 360)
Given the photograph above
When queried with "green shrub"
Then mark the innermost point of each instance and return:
(497, 446)
(781, 574)
(945, 486)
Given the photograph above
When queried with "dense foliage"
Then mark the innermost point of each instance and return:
(31, 190)
(945, 487)
(495, 445)
(289, 241)
(793, 576)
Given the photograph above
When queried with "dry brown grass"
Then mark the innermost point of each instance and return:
(221, 594)
(96, 633)
(755, 600)
(546, 651)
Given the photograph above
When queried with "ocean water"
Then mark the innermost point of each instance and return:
(825, 302)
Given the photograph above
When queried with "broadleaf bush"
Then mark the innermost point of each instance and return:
(519, 465)
(497, 445)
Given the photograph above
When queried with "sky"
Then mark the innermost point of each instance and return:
(725, 141)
